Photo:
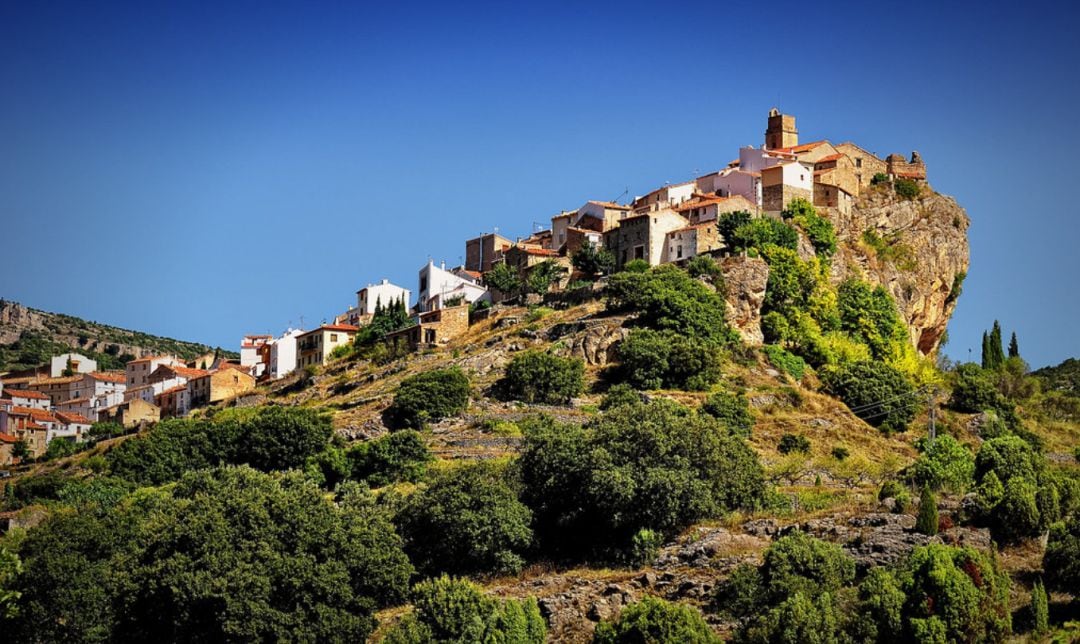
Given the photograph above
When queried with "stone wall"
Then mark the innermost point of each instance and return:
(776, 198)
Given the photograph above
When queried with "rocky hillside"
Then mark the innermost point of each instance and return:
(29, 337)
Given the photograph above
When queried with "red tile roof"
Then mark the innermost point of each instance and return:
(611, 204)
(8, 438)
(188, 372)
(36, 414)
(831, 157)
(797, 149)
(73, 419)
(149, 358)
(22, 393)
(173, 390)
(108, 376)
(73, 401)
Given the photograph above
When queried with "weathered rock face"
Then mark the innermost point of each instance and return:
(746, 278)
(594, 341)
(15, 318)
(929, 237)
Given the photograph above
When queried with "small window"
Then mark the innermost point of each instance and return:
(858, 162)
(333, 337)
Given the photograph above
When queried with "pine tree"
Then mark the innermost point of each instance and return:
(927, 521)
(1014, 348)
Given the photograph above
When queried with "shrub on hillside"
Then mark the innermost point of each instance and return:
(793, 443)
(875, 392)
(399, 456)
(450, 610)
(785, 361)
(620, 394)
(666, 298)
(540, 377)
(429, 397)
(974, 389)
(668, 360)
(944, 463)
(704, 266)
(869, 314)
(593, 260)
(468, 520)
(655, 620)
(907, 188)
(927, 520)
(636, 266)
(658, 466)
(1016, 493)
(732, 411)
(818, 229)
(763, 231)
(1062, 558)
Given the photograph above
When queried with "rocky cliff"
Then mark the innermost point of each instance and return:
(917, 249)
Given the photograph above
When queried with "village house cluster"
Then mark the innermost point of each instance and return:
(62, 400)
(671, 224)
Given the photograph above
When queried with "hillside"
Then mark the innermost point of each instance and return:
(29, 337)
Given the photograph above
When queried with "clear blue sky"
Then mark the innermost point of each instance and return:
(202, 172)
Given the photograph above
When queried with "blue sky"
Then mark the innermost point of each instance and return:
(204, 171)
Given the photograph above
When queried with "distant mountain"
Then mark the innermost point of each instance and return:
(30, 337)
(1065, 377)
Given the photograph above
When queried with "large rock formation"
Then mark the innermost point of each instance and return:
(745, 279)
(926, 255)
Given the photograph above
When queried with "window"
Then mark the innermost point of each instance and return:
(423, 283)
(679, 255)
(333, 337)
(858, 162)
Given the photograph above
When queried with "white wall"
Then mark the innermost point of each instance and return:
(283, 354)
(436, 281)
(384, 292)
(59, 363)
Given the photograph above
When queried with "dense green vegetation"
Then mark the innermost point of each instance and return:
(875, 392)
(655, 620)
(429, 397)
(541, 377)
(666, 298)
(668, 360)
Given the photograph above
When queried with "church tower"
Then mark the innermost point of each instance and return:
(781, 132)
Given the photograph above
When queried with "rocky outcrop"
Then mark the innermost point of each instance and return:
(927, 237)
(745, 279)
(16, 318)
(594, 341)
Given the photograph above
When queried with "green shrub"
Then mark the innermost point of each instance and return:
(668, 360)
(793, 443)
(430, 397)
(875, 392)
(868, 313)
(666, 298)
(907, 188)
(879, 178)
(705, 266)
(742, 594)
(785, 361)
(732, 410)
(399, 456)
(819, 229)
(658, 466)
(636, 266)
(799, 618)
(1062, 558)
(926, 522)
(944, 463)
(450, 610)
(620, 394)
(840, 453)
(974, 389)
(645, 547)
(655, 620)
(1040, 609)
(592, 260)
(468, 520)
(799, 562)
(761, 232)
(539, 377)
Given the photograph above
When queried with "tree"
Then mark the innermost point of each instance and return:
(793, 443)
(800, 563)
(1062, 558)
(655, 620)
(398, 456)
(540, 377)
(280, 438)
(448, 610)
(429, 397)
(944, 463)
(658, 466)
(732, 411)
(21, 450)
(543, 275)
(385, 319)
(869, 313)
(704, 266)
(1040, 609)
(592, 260)
(10, 567)
(666, 298)
(466, 521)
(927, 520)
(875, 392)
(665, 359)
(974, 389)
(1014, 347)
(819, 229)
(620, 394)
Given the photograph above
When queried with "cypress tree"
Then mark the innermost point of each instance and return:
(996, 346)
(1014, 348)
(986, 358)
(1040, 610)
(927, 521)
(378, 306)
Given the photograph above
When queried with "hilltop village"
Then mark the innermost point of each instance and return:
(671, 224)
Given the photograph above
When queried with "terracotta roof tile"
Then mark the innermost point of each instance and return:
(70, 418)
(610, 204)
(108, 376)
(22, 393)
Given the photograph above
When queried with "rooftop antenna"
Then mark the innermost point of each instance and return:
(625, 192)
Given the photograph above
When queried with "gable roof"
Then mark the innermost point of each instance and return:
(69, 418)
(23, 393)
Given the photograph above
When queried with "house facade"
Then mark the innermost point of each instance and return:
(643, 237)
(481, 252)
(76, 362)
(137, 372)
(218, 385)
(438, 286)
(314, 347)
(435, 328)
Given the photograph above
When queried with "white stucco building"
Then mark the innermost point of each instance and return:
(78, 363)
(438, 285)
(283, 354)
(384, 292)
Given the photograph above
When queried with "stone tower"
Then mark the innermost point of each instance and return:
(781, 132)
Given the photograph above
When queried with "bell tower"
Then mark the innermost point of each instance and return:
(781, 132)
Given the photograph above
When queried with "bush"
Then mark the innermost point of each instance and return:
(668, 360)
(819, 229)
(636, 266)
(705, 266)
(868, 313)
(620, 394)
(645, 547)
(763, 231)
(732, 410)
(539, 377)
(430, 397)
(875, 392)
(840, 453)
(658, 466)
(800, 563)
(785, 361)
(974, 389)
(879, 178)
(927, 520)
(1062, 558)
(181, 563)
(944, 463)
(1040, 609)
(467, 521)
(62, 447)
(399, 456)
(655, 620)
(793, 443)
(453, 610)
(668, 299)
(591, 260)
(907, 188)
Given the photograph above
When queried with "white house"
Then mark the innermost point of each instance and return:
(438, 285)
(71, 425)
(283, 354)
(666, 197)
(29, 399)
(78, 364)
(137, 372)
(251, 352)
(384, 292)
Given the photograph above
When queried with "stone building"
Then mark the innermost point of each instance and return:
(696, 239)
(434, 328)
(131, 413)
(781, 132)
(643, 237)
(900, 168)
(704, 208)
(784, 182)
(481, 251)
(865, 164)
(218, 385)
